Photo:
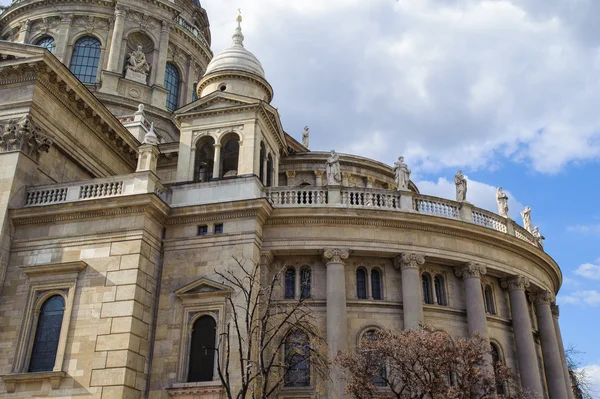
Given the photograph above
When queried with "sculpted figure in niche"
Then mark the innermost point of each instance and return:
(137, 61)
(526, 215)
(332, 166)
(461, 186)
(502, 200)
(305, 134)
(402, 174)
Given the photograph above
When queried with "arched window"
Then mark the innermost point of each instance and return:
(262, 157)
(440, 292)
(229, 155)
(85, 58)
(205, 155)
(47, 42)
(297, 360)
(495, 359)
(376, 284)
(426, 283)
(290, 283)
(361, 284)
(202, 350)
(305, 283)
(379, 378)
(194, 94)
(488, 295)
(47, 334)
(269, 170)
(172, 81)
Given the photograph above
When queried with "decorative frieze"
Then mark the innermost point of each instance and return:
(336, 255)
(542, 297)
(515, 283)
(409, 260)
(470, 269)
(24, 135)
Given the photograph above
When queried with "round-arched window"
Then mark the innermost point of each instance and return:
(46, 42)
(172, 81)
(85, 58)
(47, 334)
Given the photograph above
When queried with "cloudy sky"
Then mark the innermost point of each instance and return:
(507, 91)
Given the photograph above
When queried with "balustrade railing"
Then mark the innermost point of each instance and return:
(192, 29)
(489, 219)
(436, 206)
(293, 196)
(524, 235)
(370, 198)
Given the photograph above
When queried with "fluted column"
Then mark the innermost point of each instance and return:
(336, 314)
(561, 348)
(117, 39)
(552, 362)
(159, 78)
(412, 304)
(526, 353)
(217, 162)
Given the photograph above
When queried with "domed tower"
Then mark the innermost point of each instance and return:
(126, 52)
(232, 130)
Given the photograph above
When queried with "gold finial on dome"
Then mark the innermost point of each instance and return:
(238, 37)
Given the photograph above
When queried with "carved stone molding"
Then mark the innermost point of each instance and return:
(335, 255)
(409, 259)
(555, 311)
(515, 283)
(542, 297)
(470, 269)
(24, 135)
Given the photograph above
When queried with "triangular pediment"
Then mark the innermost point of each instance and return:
(203, 287)
(215, 101)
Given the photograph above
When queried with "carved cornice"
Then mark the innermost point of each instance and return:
(411, 260)
(515, 283)
(543, 297)
(335, 255)
(24, 135)
(471, 269)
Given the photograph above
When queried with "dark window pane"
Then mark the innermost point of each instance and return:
(47, 42)
(439, 290)
(290, 284)
(489, 300)
(376, 284)
(361, 284)
(219, 228)
(47, 333)
(305, 283)
(202, 230)
(426, 289)
(194, 95)
(85, 58)
(379, 378)
(202, 350)
(297, 360)
(172, 81)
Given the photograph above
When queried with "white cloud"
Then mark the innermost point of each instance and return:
(589, 270)
(592, 373)
(587, 229)
(589, 298)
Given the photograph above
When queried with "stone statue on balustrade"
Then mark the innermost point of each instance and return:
(526, 215)
(539, 238)
(502, 200)
(461, 187)
(334, 173)
(402, 174)
(305, 135)
(137, 66)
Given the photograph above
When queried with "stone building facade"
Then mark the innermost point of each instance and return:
(128, 178)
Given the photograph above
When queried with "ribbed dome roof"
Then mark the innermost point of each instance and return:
(236, 57)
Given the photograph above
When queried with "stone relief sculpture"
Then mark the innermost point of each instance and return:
(137, 66)
(526, 215)
(502, 200)
(461, 186)
(24, 135)
(305, 134)
(539, 238)
(332, 166)
(402, 174)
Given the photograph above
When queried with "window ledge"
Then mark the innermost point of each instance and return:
(54, 268)
(11, 380)
(190, 388)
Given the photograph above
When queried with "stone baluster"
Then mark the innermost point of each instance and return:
(217, 162)
(336, 314)
(117, 39)
(412, 305)
(550, 350)
(526, 353)
(561, 347)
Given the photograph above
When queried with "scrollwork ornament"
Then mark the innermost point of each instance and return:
(409, 259)
(335, 255)
(515, 283)
(471, 269)
(542, 297)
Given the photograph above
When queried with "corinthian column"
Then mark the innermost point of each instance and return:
(561, 347)
(117, 39)
(550, 350)
(412, 304)
(526, 354)
(336, 314)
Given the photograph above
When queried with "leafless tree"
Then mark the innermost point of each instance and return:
(268, 342)
(580, 381)
(423, 363)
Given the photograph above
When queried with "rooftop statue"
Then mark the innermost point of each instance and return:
(539, 238)
(461, 187)
(332, 166)
(502, 200)
(526, 215)
(305, 134)
(402, 174)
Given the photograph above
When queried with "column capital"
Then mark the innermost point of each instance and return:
(288, 173)
(515, 283)
(335, 255)
(120, 10)
(555, 310)
(318, 173)
(409, 260)
(166, 26)
(217, 145)
(542, 297)
(470, 269)
(266, 258)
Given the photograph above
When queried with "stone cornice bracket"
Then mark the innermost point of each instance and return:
(555, 310)
(542, 297)
(470, 269)
(23, 135)
(335, 255)
(409, 259)
(266, 258)
(515, 283)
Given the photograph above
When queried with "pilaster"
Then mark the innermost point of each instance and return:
(412, 303)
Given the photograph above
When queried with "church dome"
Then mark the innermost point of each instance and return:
(236, 57)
